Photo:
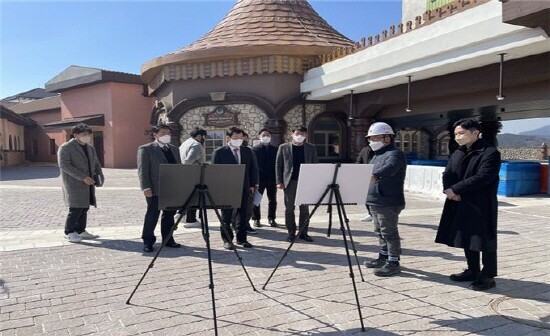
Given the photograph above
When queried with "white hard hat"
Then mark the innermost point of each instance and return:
(380, 128)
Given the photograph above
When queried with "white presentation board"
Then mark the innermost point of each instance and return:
(354, 180)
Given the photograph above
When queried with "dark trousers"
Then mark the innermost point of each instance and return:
(368, 210)
(271, 187)
(290, 218)
(385, 221)
(240, 224)
(76, 220)
(237, 215)
(489, 260)
(191, 216)
(151, 219)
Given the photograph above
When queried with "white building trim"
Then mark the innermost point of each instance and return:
(466, 40)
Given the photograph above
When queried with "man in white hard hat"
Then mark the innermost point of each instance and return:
(386, 198)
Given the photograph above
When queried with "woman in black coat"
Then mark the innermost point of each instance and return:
(469, 218)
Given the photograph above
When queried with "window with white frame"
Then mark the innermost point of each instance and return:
(214, 139)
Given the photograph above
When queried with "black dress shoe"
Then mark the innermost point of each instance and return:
(466, 275)
(228, 246)
(483, 284)
(148, 249)
(272, 223)
(306, 238)
(290, 238)
(257, 223)
(173, 244)
(244, 244)
(251, 230)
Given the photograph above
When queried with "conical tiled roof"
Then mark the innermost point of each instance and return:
(259, 28)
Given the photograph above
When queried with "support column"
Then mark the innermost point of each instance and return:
(432, 151)
(490, 129)
(277, 127)
(358, 130)
(175, 129)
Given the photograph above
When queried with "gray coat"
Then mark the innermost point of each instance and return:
(390, 166)
(74, 168)
(283, 163)
(192, 152)
(150, 157)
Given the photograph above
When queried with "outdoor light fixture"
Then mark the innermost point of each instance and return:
(350, 117)
(501, 95)
(408, 109)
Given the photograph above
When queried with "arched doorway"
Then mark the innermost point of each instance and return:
(329, 136)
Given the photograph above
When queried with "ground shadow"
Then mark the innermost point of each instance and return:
(14, 173)
(3, 287)
(435, 226)
(485, 325)
(132, 246)
(515, 288)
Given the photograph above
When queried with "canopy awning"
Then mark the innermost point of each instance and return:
(91, 120)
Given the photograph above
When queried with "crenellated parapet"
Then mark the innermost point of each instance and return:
(429, 17)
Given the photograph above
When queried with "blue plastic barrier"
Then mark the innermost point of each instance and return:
(519, 178)
(435, 163)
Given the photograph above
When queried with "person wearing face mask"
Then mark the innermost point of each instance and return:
(289, 158)
(150, 157)
(192, 152)
(386, 197)
(235, 153)
(81, 173)
(237, 215)
(469, 218)
(266, 155)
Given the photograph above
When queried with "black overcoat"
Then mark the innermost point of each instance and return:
(471, 222)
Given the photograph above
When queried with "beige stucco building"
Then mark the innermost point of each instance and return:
(12, 136)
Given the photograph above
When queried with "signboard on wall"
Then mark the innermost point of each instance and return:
(221, 117)
(434, 4)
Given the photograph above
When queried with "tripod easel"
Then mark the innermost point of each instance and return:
(204, 200)
(334, 190)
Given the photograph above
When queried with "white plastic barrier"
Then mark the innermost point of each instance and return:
(425, 180)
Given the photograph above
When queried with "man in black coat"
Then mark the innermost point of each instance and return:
(266, 155)
(234, 153)
(469, 218)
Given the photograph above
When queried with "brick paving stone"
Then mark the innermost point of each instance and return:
(51, 287)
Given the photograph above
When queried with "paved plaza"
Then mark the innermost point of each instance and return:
(51, 287)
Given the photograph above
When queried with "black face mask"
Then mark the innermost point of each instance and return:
(245, 143)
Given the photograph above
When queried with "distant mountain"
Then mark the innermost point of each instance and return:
(507, 140)
(542, 131)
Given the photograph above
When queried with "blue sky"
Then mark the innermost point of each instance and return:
(39, 39)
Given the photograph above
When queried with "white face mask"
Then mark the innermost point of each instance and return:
(376, 145)
(299, 138)
(85, 138)
(165, 139)
(465, 138)
(462, 141)
(236, 142)
(265, 139)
